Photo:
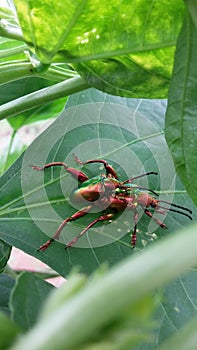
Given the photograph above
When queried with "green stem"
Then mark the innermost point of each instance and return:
(10, 71)
(9, 271)
(11, 32)
(13, 51)
(102, 300)
(57, 74)
(9, 149)
(43, 96)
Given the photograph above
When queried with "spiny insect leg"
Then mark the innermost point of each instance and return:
(109, 169)
(105, 217)
(161, 224)
(73, 217)
(78, 175)
(134, 234)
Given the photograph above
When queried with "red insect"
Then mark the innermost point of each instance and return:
(106, 191)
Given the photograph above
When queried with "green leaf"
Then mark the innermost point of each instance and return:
(192, 9)
(6, 285)
(44, 112)
(11, 50)
(177, 306)
(181, 125)
(184, 339)
(128, 76)
(132, 58)
(81, 33)
(8, 159)
(8, 331)
(5, 250)
(128, 134)
(14, 90)
(27, 298)
(21, 87)
(42, 97)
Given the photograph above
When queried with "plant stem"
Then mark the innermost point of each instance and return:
(43, 96)
(101, 301)
(9, 271)
(11, 32)
(9, 149)
(13, 51)
(10, 71)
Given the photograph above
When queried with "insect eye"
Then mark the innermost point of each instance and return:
(153, 205)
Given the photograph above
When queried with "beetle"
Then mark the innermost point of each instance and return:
(107, 191)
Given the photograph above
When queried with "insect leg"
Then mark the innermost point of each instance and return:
(73, 217)
(109, 169)
(161, 224)
(78, 175)
(100, 218)
(134, 234)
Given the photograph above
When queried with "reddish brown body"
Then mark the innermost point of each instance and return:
(111, 196)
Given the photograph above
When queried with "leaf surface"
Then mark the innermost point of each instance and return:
(123, 48)
(27, 297)
(181, 120)
(6, 285)
(129, 135)
(5, 250)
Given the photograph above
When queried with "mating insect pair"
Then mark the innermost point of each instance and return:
(111, 196)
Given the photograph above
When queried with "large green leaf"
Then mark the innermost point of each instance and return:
(181, 121)
(91, 30)
(127, 133)
(122, 48)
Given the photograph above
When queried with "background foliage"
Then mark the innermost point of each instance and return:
(54, 61)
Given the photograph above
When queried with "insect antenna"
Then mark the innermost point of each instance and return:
(148, 189)
(175, 210)
(175, 205)
(139, 176)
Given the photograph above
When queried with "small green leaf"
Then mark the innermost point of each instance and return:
(27, 298)
(181, 125)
